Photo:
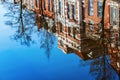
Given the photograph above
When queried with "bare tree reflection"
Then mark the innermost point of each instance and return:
(100, 67)
(46, 37)
(47, 41)
(23, 21)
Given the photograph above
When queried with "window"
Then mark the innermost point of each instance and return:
(100, 7)
(114, 13)
(69, 31)
(91, 25)
(61, 28)
(36, 3)
(53, 6)
(60, 7)
(90, 7)
(44, 5)
(74, 12)
(74, 32)
(49, 5)
(68, 11)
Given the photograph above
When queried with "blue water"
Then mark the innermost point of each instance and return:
(34, 61)
(20, 62)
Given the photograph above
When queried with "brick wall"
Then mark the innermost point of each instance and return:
(115, 54)
(107, 26)
(68, 41)
(95, 17)
(49, 6)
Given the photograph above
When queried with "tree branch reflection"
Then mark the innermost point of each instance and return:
(23, 21)
(46, 40)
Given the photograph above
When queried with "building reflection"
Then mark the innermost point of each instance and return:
(79, 28)
(78, 25)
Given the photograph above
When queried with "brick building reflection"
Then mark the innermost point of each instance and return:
(78, 26)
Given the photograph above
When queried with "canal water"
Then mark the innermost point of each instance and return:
(36, 56)
(21, 62)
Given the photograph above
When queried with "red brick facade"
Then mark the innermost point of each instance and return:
(95, 18)
(44, 8)
(68, 25)
(111, 31)
(78, 25)
(115, 50)
(47, 7)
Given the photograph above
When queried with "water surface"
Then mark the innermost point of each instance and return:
(21, 62)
